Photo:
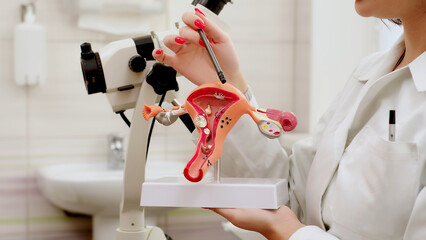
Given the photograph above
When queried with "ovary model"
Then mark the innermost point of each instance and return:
(215, 108)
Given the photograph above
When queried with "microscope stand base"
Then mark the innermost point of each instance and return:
(228, 193)
(149, 233)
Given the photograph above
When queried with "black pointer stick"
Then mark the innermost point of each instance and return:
(212, 56)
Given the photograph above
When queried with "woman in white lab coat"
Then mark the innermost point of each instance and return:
(349, 181)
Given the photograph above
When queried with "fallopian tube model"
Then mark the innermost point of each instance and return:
(215, 108)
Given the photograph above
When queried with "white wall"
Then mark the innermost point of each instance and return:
(340, 39)
(388, 34)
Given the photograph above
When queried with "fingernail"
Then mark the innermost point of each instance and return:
(180, 40)
(201, 43)
(198, 10)
(159, 51)
(199, 24)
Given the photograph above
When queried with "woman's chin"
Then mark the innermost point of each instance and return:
(362, 8)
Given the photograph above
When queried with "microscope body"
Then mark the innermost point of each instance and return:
(119, 69)
(130, 77)
(122, 81)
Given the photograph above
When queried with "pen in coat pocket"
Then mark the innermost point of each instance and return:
(392, 125)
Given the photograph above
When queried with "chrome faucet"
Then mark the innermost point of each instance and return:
(116, 153)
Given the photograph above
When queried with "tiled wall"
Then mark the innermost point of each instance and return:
(58, 122)
(273, 41)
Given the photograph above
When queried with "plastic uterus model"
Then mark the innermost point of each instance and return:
(215, 108)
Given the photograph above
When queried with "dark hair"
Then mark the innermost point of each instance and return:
(397, 21)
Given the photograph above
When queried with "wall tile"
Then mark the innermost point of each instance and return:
(45, 220)
(175, 9)
(171, 143)
(63, 235)
(13, 187)
(67, 149)
(303, 20)
(255, 21)
(62, 107)
(13, 203)
(64, 26)
(268, 69)
(66, 13)
(10, 11)
(12, 97)
(301, 88)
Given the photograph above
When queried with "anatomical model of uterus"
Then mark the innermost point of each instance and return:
(215, 108)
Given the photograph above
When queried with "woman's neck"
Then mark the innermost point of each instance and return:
(415, 37)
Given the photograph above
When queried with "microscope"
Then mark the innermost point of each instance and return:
(128, 75)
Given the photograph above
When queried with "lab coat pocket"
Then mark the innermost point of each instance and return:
(375, 187)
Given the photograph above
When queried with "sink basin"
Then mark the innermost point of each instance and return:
(93, 189)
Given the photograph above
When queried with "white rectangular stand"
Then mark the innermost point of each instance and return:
(229, 193)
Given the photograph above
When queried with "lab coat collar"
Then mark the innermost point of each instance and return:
(418, 72)
(386, 61)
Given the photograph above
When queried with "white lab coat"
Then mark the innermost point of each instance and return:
(349, 181)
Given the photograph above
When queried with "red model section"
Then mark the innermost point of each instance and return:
(213, 111)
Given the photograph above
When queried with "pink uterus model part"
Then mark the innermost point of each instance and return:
(215, 108)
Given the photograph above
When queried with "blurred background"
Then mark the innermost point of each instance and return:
(295, 54)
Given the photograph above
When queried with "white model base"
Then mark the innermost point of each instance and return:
(229, 193)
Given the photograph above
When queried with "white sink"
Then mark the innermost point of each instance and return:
(93, 189)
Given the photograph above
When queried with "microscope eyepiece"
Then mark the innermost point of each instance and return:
(86, 50)
(215, 6)
(92, 70)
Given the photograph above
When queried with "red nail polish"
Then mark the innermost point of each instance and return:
(199, 24)
(159, 51)
(201, 43)
(180, 40)
(198, 10)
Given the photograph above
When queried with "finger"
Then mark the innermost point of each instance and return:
(211, 29)
(192, 20)
(162, 57)
(158, 55)
(228, 213)
(198, 11)
(244, 218)
(174, 42)
(190, 35)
